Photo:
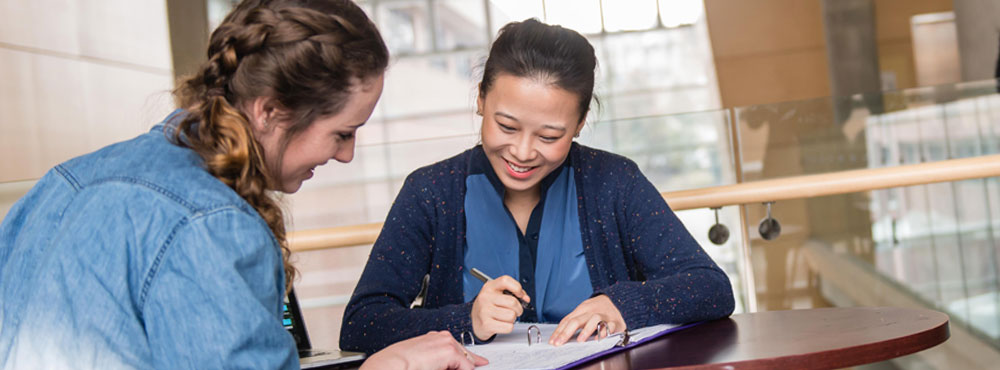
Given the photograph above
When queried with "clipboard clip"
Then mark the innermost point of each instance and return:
(419, 301)
(625, 341)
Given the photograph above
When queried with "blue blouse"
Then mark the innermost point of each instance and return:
(548, 259)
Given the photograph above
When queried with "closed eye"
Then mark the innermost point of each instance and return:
(505, 128)
(345, 135)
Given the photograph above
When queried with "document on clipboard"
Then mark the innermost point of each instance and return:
(512, 350)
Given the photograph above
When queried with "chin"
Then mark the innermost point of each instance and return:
(519, 186)
(291, 188)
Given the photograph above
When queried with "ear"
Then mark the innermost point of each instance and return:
(264, 113)
(579, 126)
(479, 105)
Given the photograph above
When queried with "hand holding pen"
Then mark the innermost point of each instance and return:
(499, 303)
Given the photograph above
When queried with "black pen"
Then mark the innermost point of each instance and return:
(481, 276)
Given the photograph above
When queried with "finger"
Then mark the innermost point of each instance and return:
(478, 360)
(505, 315)
(559, 328)
(509, 303)
(511, 285)
(571, 325)
(501, 327)
(589, 328)
(460, 358)
(613, 326)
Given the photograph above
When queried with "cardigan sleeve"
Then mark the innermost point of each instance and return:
(679, 282)
(379, 313)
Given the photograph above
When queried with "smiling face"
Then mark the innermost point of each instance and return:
(330, 137)
(528, 127)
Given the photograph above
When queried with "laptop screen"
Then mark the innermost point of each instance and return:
(291, 318)
(286, 320)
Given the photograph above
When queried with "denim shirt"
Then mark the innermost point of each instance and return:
(134, 256)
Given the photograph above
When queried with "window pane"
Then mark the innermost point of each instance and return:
(583, 16)
(629, 15)
(405, 26)
(217, 10)
(421, 85)
(657, 59)
(679, 12)
(506, 11)
(441, 125)
(460, 24)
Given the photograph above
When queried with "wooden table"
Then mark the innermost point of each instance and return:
(822, 338)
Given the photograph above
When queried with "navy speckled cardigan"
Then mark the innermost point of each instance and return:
(637, 251)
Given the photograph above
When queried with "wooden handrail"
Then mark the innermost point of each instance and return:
(797, 187)
(334, 237)
(833, 183)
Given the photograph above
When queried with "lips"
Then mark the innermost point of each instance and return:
(519, 172)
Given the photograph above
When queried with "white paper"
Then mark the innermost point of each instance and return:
(511, 351)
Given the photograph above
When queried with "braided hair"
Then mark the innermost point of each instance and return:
(306, 56)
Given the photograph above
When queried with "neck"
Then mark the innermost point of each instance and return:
(527, 197)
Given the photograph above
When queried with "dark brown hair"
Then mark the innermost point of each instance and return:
(553, 54)
(305, 55)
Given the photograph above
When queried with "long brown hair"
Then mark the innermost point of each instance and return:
(306, 56)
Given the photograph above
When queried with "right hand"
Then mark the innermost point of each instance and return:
(494, 312)
(432, 351)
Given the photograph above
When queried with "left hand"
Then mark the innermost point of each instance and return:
(431, 351)
(585, 318)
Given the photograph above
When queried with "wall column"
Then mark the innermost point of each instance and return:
(188, 24)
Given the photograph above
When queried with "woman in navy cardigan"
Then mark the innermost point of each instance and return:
(578, 234)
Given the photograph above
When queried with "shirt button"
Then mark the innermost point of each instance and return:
(534, 236)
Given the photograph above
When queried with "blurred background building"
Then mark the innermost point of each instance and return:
(698, 92)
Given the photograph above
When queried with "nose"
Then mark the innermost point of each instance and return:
(345, 152)
(523, 149)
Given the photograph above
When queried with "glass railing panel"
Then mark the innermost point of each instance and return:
(363, 190)
(679, 151)
(867, 131)
(941, 255)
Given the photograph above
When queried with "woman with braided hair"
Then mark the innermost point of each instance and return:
(167, 250)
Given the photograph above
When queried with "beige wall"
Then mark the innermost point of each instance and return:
(78, 75)
(893, 32)
(768, 50)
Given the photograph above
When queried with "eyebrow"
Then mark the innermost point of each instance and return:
(551, 127)
(358, 125)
